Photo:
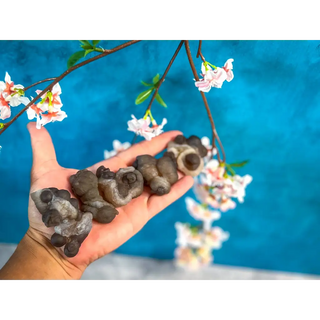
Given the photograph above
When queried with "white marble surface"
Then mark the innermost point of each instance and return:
(122, 267)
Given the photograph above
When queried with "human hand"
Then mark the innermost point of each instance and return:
(103, 238)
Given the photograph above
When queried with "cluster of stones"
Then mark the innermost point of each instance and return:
(101, 193)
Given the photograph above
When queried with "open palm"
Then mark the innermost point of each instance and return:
(103, 238)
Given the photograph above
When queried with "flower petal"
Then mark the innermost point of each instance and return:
(14, 100)
(228, 65)
(2, 86)
(116, 144)
(46, 118)
(31, 113)
(5, 112)
(24, 100)
(203, 86)
(126, 145)
(56, 89)
(205, 141)
(230, 75)
(164, 122)
(109, 154)
(43, 106)
(60, 116)
(38, 125)
(147, 135)
(7, 78)
(18, 86)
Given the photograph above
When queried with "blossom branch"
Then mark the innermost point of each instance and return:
(161, 81)
(63, 75)
(214, 131)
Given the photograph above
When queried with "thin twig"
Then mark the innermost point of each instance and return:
(199, 52)
(39, 82)
(160, 82)
(164, 75)
(214, 131)
(79, 65)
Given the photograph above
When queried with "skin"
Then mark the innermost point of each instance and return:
(36, 258)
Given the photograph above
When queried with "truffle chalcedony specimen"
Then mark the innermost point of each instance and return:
(85, 186)
(121, 187)
(158, 174)
(188, 153)
(55, 206)
(71, 234)
(62, 212)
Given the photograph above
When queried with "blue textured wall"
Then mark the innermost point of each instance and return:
(269, 114)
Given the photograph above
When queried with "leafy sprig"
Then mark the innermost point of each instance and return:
(229, 167)
(87, 48)
(146, 94)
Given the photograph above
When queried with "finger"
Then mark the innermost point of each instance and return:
(153, 147)
(43, 151)
(114, 164)
(158, 203)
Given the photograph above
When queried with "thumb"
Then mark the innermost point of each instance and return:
(44, 155)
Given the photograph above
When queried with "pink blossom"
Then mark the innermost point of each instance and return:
(5, 110)
(51, 100)
(157, 129)
(238, 186)
(52, 117)
(34, 112)
(11, 96)
(204, 255)
(185, 257)
(213, 173)
(8, 87)
(185, 236)
(214, 238)
(202, 213)
(193, 259)
(141, 127)
(226, 204)
(214, 78)
(117, 147)
(206, 142)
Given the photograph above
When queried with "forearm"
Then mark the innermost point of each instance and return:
(35, 258)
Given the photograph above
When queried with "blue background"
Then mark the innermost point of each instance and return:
(269, 114)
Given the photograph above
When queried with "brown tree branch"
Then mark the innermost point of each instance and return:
(199, 52)
(161, 81)
(214, 131)
(79, 65)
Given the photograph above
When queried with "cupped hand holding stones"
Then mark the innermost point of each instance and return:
(103, 238)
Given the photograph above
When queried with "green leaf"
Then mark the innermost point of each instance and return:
(143, 96)
(160, 100)
(85, 42)
(230, 170)
(86, 46)
(88, 51)
(239, 164)
(95, 42)
(75, 58)
(147, 84)
(1, 125)
(156, 78)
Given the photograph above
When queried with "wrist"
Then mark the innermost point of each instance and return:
(36, 258)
